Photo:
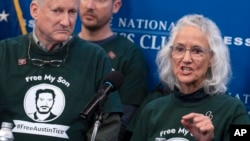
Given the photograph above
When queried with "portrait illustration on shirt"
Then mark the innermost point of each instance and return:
(44, 102)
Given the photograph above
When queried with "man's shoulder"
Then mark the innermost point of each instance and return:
(122, 40)
(77, 40)
(81, 43)
(15, 40)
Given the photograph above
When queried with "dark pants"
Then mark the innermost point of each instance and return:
(129, 112)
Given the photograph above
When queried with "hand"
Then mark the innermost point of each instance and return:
(199, 125)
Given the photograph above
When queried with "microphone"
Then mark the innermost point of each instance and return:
(111, 83)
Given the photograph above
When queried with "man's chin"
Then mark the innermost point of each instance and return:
(62, 37)
(92, 27)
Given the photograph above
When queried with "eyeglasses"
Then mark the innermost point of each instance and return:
(196, 52)
(40, 62)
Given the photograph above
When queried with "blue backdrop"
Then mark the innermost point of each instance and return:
(147, 23)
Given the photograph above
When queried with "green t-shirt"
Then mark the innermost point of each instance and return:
(127, 58)
(150, 97)
(74, 84)
(161, 118)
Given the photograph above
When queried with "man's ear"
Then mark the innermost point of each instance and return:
(33, 10)
(116, 6)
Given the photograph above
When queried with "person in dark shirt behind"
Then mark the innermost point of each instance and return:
(125, 56)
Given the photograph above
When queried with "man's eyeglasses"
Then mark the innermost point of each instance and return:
(40, 62)
(196, 52)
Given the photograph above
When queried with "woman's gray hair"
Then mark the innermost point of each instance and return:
(218, 75)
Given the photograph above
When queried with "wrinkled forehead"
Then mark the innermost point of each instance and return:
(58, 2)
(191, 35)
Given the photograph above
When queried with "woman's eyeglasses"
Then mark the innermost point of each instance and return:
(40, 62)
(196, 52)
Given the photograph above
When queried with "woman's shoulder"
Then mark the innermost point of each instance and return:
(227, 99)
(158, 101)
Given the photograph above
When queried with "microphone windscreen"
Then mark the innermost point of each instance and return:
(115, 78)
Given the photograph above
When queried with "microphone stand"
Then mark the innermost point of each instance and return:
(98, 120)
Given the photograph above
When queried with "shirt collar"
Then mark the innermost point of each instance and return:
(192, 97)
(43, 47)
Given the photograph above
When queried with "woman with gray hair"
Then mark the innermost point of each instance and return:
(195, 65)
